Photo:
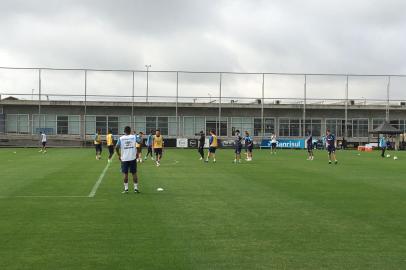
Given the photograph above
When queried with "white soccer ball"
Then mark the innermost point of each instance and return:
(395, 157)
(388, 156)
(159, 189)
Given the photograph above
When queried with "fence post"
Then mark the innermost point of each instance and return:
(176, 105)
(346, 110)
(262, 107)
(85, 109)
(387, 100)
(39, 100)
(304, 106)
(132, 100)
(219, 120)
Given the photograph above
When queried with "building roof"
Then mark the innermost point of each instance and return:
(386, 128)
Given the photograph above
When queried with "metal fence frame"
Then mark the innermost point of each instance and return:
(220, 97)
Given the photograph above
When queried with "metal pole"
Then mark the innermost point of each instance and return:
(85, 122)
(346, 109)
(39, 99)
(219, 122)
(147, 66)
(132, 100)
(387, 99)
(176, 106)
(262, 107)
(304, 106)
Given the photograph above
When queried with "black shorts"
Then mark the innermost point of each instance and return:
(249, 148)
(44, 143)
(98, 147)
(238, 149)
(309, 148)
(129, 166)
(158, 151)
(212, 149)
(331, 149)
(111, 149)
(273, 145)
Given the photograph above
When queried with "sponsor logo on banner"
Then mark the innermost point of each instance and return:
(285, 143)
(181, 143)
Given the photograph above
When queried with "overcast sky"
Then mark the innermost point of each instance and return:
(363, 36)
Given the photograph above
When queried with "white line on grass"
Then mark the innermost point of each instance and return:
(98, 182)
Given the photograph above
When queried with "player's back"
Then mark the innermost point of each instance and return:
(127, 147)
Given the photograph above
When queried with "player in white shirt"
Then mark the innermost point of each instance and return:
(127, 154)
(43, 142)
(274, 142)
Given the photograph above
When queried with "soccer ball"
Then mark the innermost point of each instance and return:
(159, 189)
(395, 158)
(387, 156)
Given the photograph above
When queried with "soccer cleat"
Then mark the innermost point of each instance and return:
(206, 161)
(201, 158)
(336, 162)
(125, 191)
(214, 161)
(329, 162)
(136, 190)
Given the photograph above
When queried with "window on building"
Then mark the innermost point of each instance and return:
(172, 126)
(90, 123)
(212, 124)
(295, 127)
(313, 126)
(188, 126)
(123, 121)
(284, 127)
(359, 128)
(62, 124)
(150, 123)
(269, 126)
(112, 124)
(44, 122)
(101, 123)
(140, 125)
(74, 124)
(163, 124)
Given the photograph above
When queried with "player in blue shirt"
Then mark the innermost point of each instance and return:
(238, 146)
(249, 145)
(309, 144)
(331, 146)
(148, 143)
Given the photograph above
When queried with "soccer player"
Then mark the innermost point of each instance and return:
(238, 147)
(138, 145)
(249, 145)
(148, 143)
(43, 142)
(309, 144)
(213, 144)
(158, 144)
(110, 144)
(382, 145)
(331, 147)
(127, 153)
(273, 143)
(202, 141)
(98, 144)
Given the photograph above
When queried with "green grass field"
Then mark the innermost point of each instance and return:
(277, 212)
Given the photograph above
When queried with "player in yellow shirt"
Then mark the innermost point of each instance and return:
(110, 144)
(213, 144)
(158, 145)
(97, 141)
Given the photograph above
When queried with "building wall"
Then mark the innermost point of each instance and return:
(232, 115)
